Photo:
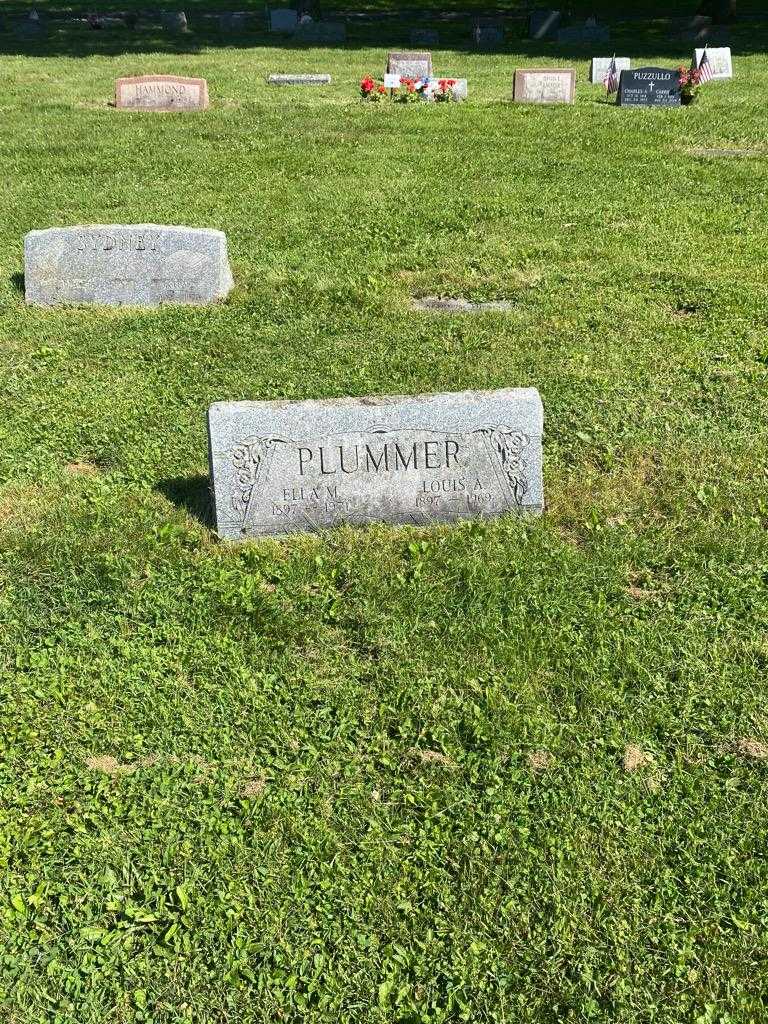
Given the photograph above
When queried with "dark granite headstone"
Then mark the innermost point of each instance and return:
(321, 32)
(649, 87)
(487, 34)
(543, 24)
(425, 37)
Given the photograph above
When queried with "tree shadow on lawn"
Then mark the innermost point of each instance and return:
(17, 282)
(190, 493)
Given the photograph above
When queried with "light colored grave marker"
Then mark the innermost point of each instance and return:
(601, 66)
(286, 467)
(410, 65)
(125, 265)
(544, 85)
(299, 80)
(720, 60)
(164, 93)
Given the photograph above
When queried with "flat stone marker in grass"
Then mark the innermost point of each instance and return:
(287, 467)
(719, 58)
(600, 67)
(299, 80)
(410, 64)
(544, 85)
(649, 87)
(163, 93)
(126, 265)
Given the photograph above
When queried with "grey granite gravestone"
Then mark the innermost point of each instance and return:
(720, 61)
(283, 19)
(487, 34)
(410, 65)
(425, 37)
(234, 21)
(600, 67)
(285, 467)
(125, 265)
(321, 32)
(161, 93)
(582, 35)
(543, 24)
(174, 21)
(299, 80)
(544, 85)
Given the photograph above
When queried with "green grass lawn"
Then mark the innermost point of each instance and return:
(511, 771)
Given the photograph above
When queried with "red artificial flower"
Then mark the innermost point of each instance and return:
(367, 85)
(381, 89)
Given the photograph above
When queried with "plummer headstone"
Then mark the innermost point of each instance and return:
(719, 58)
(601, 66)
(649, 87)
(543, 24)
(410, 65)
(544, 85)
(125, 265)
(284, 467)
(425, 37)
(299, 80)
(31, 27)
(161, 92)
(283, 19)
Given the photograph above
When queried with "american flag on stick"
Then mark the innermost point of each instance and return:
(611, 80)
(706, 73)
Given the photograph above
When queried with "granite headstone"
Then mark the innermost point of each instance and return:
(299, 80)
(161, 92)
(285, 467)
(425, 37)
(322, 32)
(544, 85)
(719, 58)
(125, 265)
(410, 65)
(601, 66)
(543, 24)
(283, 19)
(649, 87)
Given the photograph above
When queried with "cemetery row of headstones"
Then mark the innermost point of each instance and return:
(413, 70)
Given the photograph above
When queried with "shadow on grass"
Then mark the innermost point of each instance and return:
(17, 282)
(191, 493)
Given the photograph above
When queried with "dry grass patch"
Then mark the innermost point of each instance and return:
(635, 758)
(751, 748)
(109, 765)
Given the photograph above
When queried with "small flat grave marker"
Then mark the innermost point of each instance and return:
(410, 65)
(125, 265)
(719, 60)
(161, 92)
(299, 80)
(286, 467)
(544, 85)
(649, 87)
(601, 66)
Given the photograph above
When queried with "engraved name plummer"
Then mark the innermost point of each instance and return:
(284, 467)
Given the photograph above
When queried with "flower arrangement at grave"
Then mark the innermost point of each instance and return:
(443, 93)
(371, 90)
(411, 90)
(690, 82)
